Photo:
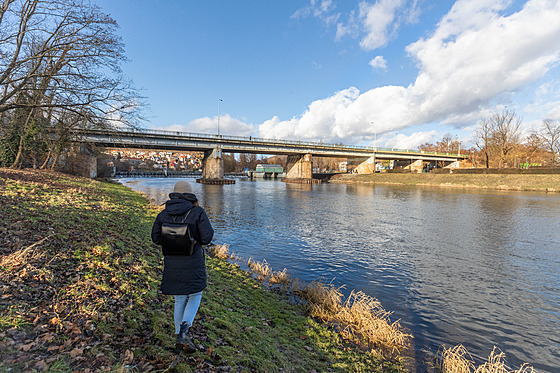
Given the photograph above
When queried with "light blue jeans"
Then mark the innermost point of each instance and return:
(186, 307)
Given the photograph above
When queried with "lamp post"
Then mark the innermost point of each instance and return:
(219, 116)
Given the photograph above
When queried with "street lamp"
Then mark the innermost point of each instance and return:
(219, 117)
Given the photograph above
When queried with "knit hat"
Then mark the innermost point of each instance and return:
(182, 187)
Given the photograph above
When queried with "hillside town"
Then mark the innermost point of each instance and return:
(151, 160)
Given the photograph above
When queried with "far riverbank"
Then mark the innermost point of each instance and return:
(522, 182)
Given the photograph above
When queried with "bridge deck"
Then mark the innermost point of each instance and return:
(166, 140)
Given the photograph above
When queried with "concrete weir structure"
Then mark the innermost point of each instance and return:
(300, 153)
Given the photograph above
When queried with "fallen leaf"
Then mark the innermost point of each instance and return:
(209, 351)
(41, 365)
(128, 357)
(27, 347)
(76, 352)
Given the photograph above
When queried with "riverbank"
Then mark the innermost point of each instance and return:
(513, 182)
(79, 282)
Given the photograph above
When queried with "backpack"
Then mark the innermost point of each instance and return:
(177, 237)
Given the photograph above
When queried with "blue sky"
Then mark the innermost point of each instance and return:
(387, 73)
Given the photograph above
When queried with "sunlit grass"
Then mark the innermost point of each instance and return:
(84, 281)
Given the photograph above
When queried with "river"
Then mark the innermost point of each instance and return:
(478, 268)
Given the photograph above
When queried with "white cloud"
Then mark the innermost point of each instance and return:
(351, 27)
(228, 126)
(474, 56)
(402, 141)
(378, 20)
(547, 102)
(319, 9)
(378, 63)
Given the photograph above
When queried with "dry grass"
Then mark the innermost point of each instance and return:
(458, 360)
(325, 299)
(368, 321)
(23, 256)
(455, 360)
(360, 318)
(219, 251)
(260, 269)
(281, 279)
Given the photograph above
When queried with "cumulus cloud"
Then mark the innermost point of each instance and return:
(378, 20)
(402, 141)
(228, 126)
(475, 55)
(378, 63)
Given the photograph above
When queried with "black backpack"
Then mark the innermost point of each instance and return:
(177, 237)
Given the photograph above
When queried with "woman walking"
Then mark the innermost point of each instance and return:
(184, 273)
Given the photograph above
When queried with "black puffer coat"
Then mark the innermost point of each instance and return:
(184, 275)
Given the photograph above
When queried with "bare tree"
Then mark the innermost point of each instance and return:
(60, 64)
(549, 135)
(506, 132)
(448, 144)
(483, 139)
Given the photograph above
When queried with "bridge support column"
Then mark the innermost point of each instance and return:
(453, 165)
(367, 166)
(213, 168)
(300, 169)
(81, 160)
(416, 166)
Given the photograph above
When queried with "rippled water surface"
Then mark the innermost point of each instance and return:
(477, 268)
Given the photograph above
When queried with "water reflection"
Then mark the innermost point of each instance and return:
(478, 268)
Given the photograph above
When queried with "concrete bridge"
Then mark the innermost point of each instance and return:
(299, 153)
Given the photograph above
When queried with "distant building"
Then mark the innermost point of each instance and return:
(269, 171)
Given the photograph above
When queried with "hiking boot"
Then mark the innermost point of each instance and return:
(183, 341)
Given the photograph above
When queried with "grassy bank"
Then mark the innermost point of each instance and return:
(540, 183)
(79, 282)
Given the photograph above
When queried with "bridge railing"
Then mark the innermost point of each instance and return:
(316, 145)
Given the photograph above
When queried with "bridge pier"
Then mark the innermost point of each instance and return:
(300, 169)
(453, 165)
(367, 166)
(81, 159)
(416, 166)
(213, 168)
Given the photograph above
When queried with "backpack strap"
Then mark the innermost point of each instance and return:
(184, 218)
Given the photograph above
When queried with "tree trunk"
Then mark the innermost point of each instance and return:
(18, 156)
(20, 148)
(42, 167)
